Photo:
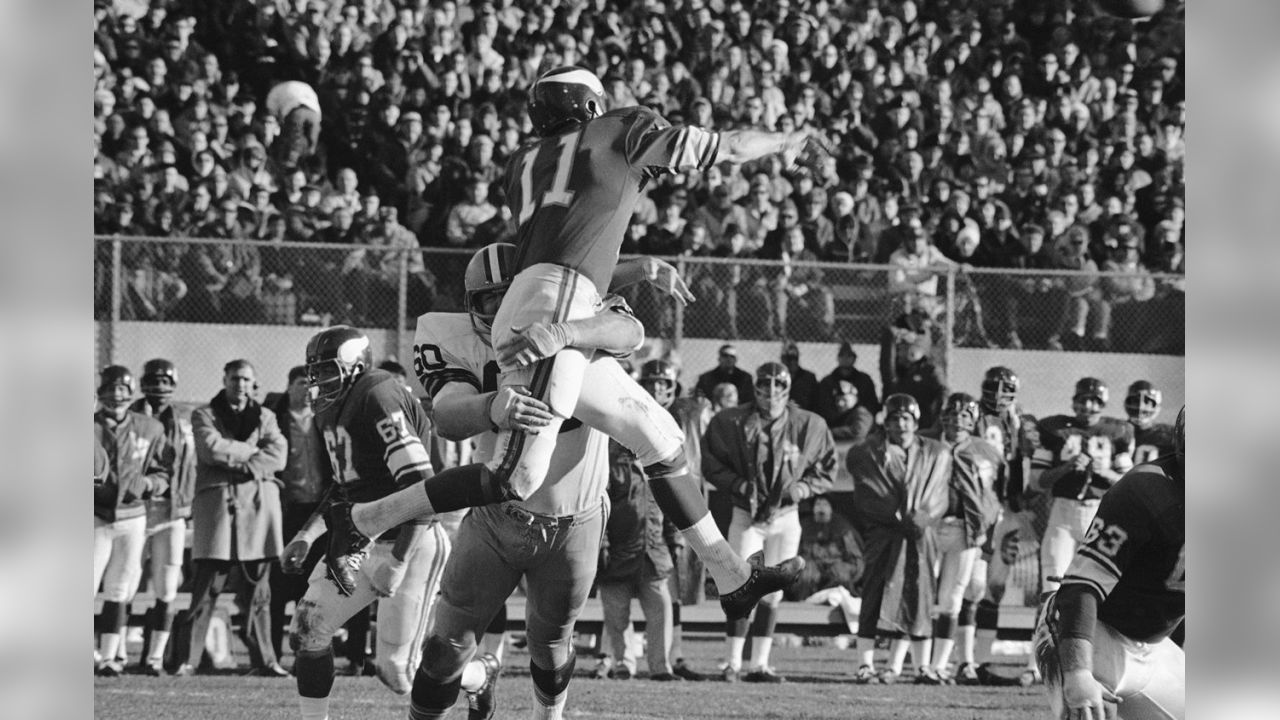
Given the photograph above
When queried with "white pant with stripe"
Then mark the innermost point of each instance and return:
(595, 389)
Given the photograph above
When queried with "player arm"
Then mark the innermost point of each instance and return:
(395, 417)
(462, 411)
(1077, 607)
(966, 482)
(739, 146)
(613, 330)
(820, 475)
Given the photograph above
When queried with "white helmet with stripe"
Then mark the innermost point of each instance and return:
(486, 280)
(564, 97)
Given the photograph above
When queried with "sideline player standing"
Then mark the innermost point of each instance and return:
(552, 538)
(168, 512)
(978, 473)
(572, 195)
(1087, 453)
(372, 429)
(1104, 637)
(1150, 438)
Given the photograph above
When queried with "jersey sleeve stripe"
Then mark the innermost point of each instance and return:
(1100, 559)
(684, 154)
(435, 381)
(411, 456)
(711, 151)
(1099, 588)
(1085, 570)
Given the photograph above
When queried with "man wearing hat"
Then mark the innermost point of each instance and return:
(804, 384)
(845, 371)
(727, 371)
(768, 456)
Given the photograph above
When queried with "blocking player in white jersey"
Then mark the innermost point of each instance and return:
(572, 193)
(551, 538)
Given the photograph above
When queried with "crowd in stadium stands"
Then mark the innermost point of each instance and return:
(1034, 135)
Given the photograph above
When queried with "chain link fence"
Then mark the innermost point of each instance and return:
(260, 286)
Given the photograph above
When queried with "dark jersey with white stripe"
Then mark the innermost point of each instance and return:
(1152, 442)
(572, 194)
(375, 446)
(1133, 556)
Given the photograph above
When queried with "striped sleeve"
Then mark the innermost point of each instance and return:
(659, 147)
(407, 459)
(435, 380)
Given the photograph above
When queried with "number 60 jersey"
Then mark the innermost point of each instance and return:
(447, 349)
(1133, 555)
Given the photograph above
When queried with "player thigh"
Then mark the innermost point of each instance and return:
(103, 539)
(402, 617)
(478, 578)
(1152, 682)
(1059, 543)
(744, 537)
(166, 542)
(323, 610)
(615, 404)
(956, 566)
(558, 589)
(977, 587)
(781, 541)
(124, 568)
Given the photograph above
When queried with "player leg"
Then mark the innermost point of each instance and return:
(121, 575)
(967, 671)
(1058, 545)
(102, 542)
(1154, 684)
(655, 603)
(782, 540)
(558, 590)
(613, 403)
(744, 538)
(167, 542)
(403, 611)
(615, 601)
(483, 568)
(953, 579)
(322, 610)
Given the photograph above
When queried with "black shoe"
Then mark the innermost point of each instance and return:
(482, 703)
(682, 670)
(347, 550)
(987, 676)
(926, 675)
(153, 668)
(109, 668)
(764, 580)
(273, 670)
(764, 675)
(666, 677)
(621, 672)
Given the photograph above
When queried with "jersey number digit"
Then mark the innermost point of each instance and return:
(426, 359)
(393, 427)
(1107, 539)
(559, 193)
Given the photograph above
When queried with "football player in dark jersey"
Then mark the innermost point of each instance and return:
(572, 194)
(1150, 438)
(978, 472)
(1104, 637)
(1080, 457)
(372, 428)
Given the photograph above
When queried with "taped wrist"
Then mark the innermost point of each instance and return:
(1075, 612)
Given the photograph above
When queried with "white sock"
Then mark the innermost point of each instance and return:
(942, 648)
(108, 646)
(473, 676)
(494, 644)
(313, 708)
(376, 517)
(968, 635)
(159, 639)
(555, 711)
(868, 655)
(920, 652)
(733, 651)
(760, 649)
(898, 654)
(728, 570)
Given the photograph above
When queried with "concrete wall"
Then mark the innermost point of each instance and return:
(200, 350)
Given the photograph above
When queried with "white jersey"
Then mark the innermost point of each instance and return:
(446, 349)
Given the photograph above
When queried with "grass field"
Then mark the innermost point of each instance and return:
(818, 687)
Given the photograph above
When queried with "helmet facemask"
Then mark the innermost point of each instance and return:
(1142, 407)
(482, 305)
(329, 380)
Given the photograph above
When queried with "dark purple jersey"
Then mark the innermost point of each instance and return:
(1151, 443)
(978, 471)
(572, 195)
(1133, 555)
(1063, 437)
(375, 446)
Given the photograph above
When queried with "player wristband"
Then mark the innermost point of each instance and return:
(488, 410)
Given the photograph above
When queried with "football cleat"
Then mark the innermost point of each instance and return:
(347, 550)
(683, 671)
(764, 675)
(929, 676)
(967, 674)
(764, 580)
(866, 675)
(482, 703)
(109, 668)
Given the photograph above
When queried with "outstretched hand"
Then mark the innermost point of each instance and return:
(531, 343)
(808, 152)
(664, 277)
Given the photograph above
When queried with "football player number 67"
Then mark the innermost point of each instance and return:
(558, 193)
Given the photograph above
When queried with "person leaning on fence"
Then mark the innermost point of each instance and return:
(133, 462)
(768, 456)
(236, 516)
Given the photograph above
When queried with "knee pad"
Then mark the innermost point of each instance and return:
(550, 683)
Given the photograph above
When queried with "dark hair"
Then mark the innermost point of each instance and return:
(235, 365)
(392, 367)
(297, 371)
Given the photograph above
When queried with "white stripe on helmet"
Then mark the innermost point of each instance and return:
(576, 76)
